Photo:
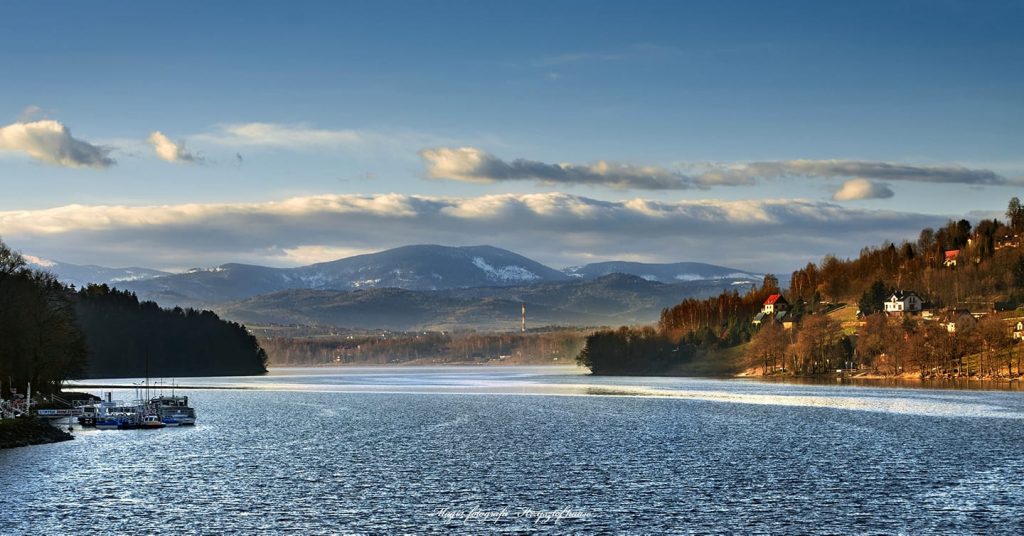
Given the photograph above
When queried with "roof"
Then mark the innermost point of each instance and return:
(774, 298)
(952, 254)
(901, 295)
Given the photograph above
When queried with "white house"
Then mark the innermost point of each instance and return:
(1018, 331)
(904, 301)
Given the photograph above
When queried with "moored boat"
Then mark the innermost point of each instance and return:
(151, 422)
(174, 410)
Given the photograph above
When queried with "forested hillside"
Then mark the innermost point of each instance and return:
(971, 278)
(129, 338)
(989, 266)
(50, 333)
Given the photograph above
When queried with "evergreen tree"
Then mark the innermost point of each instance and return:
(40, 340)
(1015, 215)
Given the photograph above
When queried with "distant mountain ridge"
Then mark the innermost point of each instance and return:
(663, 273)
(418, 268)
(428, 286)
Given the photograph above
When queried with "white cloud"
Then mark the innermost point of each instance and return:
(51, 142)
(857, 189)
(555, 228)
(470, 164)
(170, 151)
(279, 135)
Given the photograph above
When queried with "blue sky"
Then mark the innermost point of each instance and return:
(657, 111)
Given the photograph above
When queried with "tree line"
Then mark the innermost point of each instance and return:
(50, 333)
(684, 331)
(556, 345)
(129, 338)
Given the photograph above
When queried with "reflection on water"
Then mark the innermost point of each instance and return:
(378, 450)
(930, 383)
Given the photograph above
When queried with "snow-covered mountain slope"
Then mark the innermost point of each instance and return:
(421, 267)
(81, 275)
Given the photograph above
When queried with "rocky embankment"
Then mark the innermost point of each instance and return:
(25, 432)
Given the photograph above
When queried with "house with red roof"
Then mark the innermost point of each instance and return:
(775, 309)
(774, 304)
(951, 257)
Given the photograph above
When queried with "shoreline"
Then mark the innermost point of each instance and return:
(874, 376)
(908, 380)
(24, 432)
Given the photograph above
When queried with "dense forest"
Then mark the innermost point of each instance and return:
(553, 345)
(970, 276)
(40, 339)
(50, 333)
(685, 331)
(632, 351)
(129, 338)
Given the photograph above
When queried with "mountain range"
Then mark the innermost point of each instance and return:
(610, 300)
(423, 286)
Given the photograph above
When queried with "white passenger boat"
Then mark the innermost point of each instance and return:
(174, 410)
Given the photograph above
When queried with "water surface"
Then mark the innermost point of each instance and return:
(405, 449)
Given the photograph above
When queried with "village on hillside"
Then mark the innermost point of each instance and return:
(948, 304)
(902, 334)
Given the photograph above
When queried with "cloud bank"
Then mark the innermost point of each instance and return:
(51, 142)
(170, 151)
(555, 228)
(749, 173)
(470, 164)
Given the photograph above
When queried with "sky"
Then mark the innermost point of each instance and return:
(759, 135)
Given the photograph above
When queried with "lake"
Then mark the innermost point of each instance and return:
(514, 449)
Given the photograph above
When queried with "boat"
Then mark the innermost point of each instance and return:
(118, 421)
(110, 415)
(130, 419)
(106, 422)
(160, 412)
(174, 410)
(151, 422)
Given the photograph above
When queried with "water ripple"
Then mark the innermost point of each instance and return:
(659, 456)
